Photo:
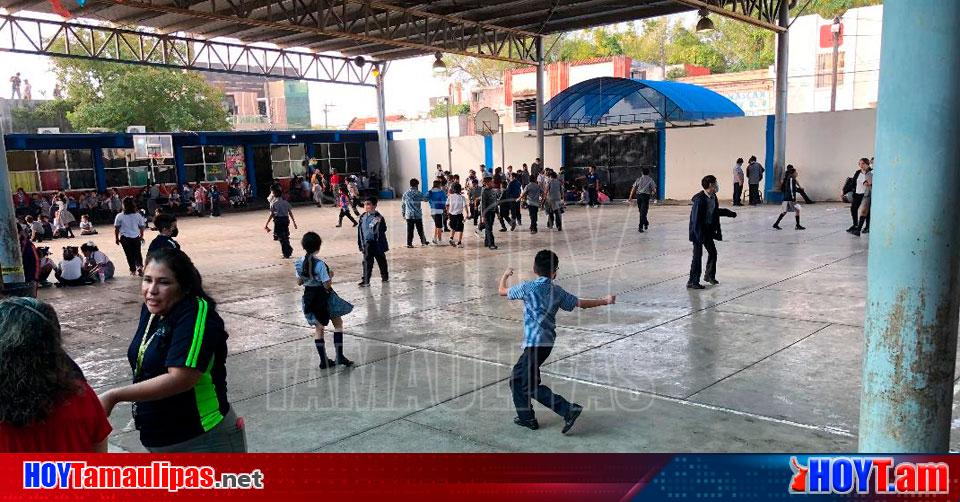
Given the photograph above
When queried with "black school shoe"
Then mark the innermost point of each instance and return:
(327, 364)
(696, 286)
(531, 424)
(343, 361)
(363, 284)
(571, 418)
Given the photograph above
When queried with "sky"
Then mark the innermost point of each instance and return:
(409, 85)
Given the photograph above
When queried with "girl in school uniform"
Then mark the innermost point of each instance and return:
(317, 278)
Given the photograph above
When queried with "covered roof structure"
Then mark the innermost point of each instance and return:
(391, 29)
(611, 101)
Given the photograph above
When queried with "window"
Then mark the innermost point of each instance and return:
(342, 157)
(123, 169)
(51, 170)
(287, 160)
(638, 74)
(210, 163)
(825, 69)
(523, 109)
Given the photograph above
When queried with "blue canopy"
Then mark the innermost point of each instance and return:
(617, 101)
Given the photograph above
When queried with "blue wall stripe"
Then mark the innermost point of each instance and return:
(488, 150)
(423, 165)
(661, 159)
(769, 183)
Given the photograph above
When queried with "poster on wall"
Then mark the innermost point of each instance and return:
(236, 166)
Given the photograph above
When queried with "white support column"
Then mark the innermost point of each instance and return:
(780, 120)
(382, 130)
(539, 43)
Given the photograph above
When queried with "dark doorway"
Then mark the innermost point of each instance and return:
(264, 168)
(619, 158)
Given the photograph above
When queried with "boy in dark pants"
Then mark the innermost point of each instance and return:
(281, 213)
(541, 298)
(489, 198)
(411, 211)
(704, 229)
(372, 241)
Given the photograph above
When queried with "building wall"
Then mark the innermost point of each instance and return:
(696, 152)
(429, 127)
(824, 147)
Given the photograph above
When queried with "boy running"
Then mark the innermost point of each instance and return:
(542, 298)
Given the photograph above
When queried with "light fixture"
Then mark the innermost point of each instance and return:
(359, 61)
(705, 23)
(439, 67)
(375, 71)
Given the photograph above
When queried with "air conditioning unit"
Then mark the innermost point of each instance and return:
(136, 129)
(94, 130)
(48, 130)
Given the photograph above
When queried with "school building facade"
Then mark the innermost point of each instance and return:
(45, 163)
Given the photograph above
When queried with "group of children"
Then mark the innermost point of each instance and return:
(450, 205)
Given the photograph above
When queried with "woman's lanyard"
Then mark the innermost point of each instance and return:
(144, 343)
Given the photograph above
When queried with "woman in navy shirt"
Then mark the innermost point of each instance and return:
(178, 356)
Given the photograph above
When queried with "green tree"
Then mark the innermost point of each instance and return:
(440, 110)
(161, 100)
(46, 114)
(115, 95)
(830, 8)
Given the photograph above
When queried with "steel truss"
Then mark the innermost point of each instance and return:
(104, 43)
(364, 21)
(762, 13)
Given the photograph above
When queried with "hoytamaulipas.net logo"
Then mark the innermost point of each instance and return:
(878, 475)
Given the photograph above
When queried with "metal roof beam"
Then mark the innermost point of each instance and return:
(340, 45)
(103, 43)
(761, 13)
(441, 32)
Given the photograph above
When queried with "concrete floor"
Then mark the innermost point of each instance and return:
(767, 361)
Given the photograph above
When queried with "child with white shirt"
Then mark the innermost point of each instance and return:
(86, 227)
(69, 272)
(455, 205)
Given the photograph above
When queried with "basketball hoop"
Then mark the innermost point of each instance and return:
(486, 122)
(152, 146)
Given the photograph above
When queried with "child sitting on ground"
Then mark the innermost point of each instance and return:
(96, 265)
(69, 272)
(541, 298)
(46, 266)
(86, 227)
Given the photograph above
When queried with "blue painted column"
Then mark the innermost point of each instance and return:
(251, 169)
(99, 169)
(422, 143)
(178, 160)
(914, 263)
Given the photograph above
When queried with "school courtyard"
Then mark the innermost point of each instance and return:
(769, 360)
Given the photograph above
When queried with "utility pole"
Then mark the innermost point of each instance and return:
(835, 30)
(326, 110)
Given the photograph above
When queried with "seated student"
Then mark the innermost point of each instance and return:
(46, 267)
(167, 226)
(96, 265)
(86, 227)
(47, 227)
(69, 272)
(35, 228)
